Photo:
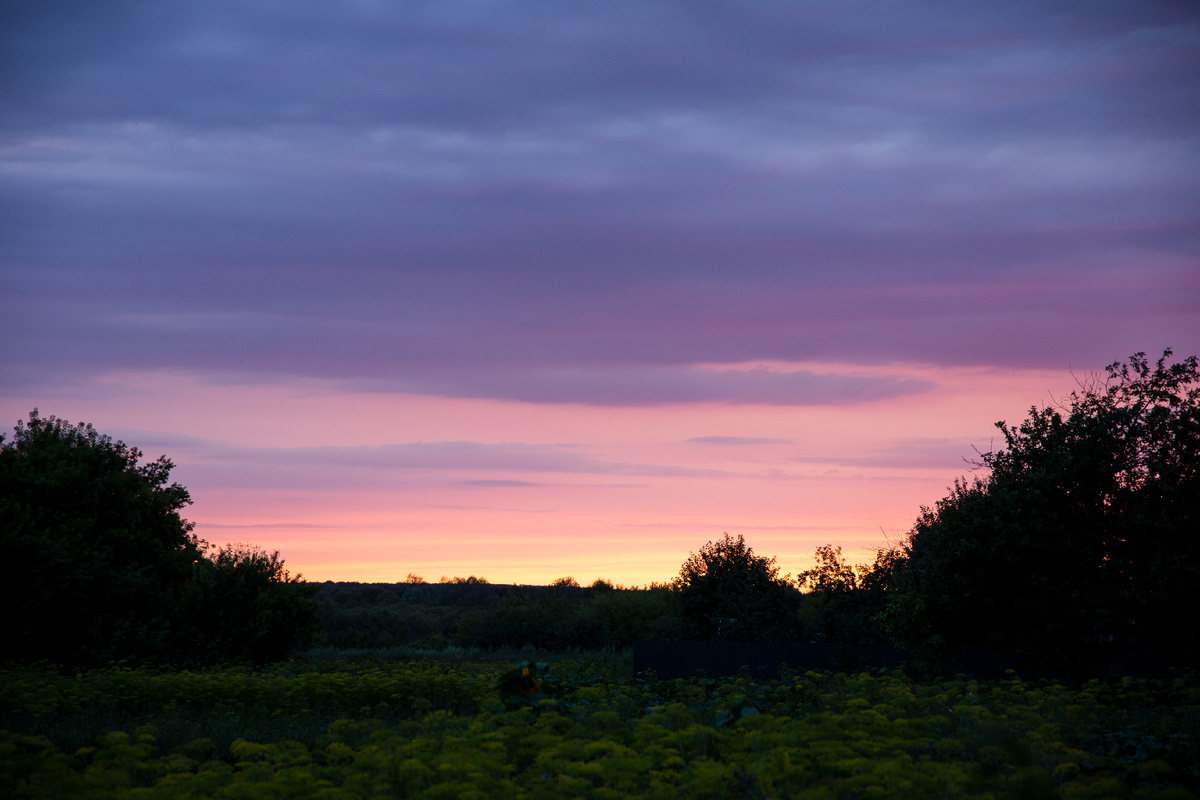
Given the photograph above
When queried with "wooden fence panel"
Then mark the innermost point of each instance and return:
(763, 659)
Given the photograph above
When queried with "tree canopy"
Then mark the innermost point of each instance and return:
(1081, 536)
(728, 592)
(92, 543)
(96, 563)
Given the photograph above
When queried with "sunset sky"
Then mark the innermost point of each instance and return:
(526, 290)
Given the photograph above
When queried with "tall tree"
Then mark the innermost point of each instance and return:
(728, 592)
(96, 563)
(1081, 536)
(91, 545)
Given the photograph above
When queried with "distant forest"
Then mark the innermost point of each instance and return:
(472, 613)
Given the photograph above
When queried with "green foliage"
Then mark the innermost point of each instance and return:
(97, 565)
(817, 735)
(1082, 537)
(727, 592)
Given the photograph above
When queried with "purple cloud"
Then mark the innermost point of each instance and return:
(549, 203)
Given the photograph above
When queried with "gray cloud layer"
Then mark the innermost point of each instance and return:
(573, 204)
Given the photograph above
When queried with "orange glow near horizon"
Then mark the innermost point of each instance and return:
(622, 493)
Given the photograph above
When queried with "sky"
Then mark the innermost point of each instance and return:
(527, 290)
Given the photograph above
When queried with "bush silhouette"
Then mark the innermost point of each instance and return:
(1082, 537)
(728, 592)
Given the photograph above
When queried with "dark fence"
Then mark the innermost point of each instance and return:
(763, 659)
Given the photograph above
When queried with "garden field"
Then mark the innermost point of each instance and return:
(436, 727)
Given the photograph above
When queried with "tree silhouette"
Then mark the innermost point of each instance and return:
(728, 592)
(96, 563)
(843, 603)
(1081, 537)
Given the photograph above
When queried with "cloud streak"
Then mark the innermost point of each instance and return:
(648, 386)
(736, 440)
(907, 454)
(214, 464)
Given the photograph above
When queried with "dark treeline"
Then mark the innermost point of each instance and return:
(493, 616)
(1073, 546)
(1073, 552)
(565, 615)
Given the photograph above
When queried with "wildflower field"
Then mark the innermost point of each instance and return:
(446, 728)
